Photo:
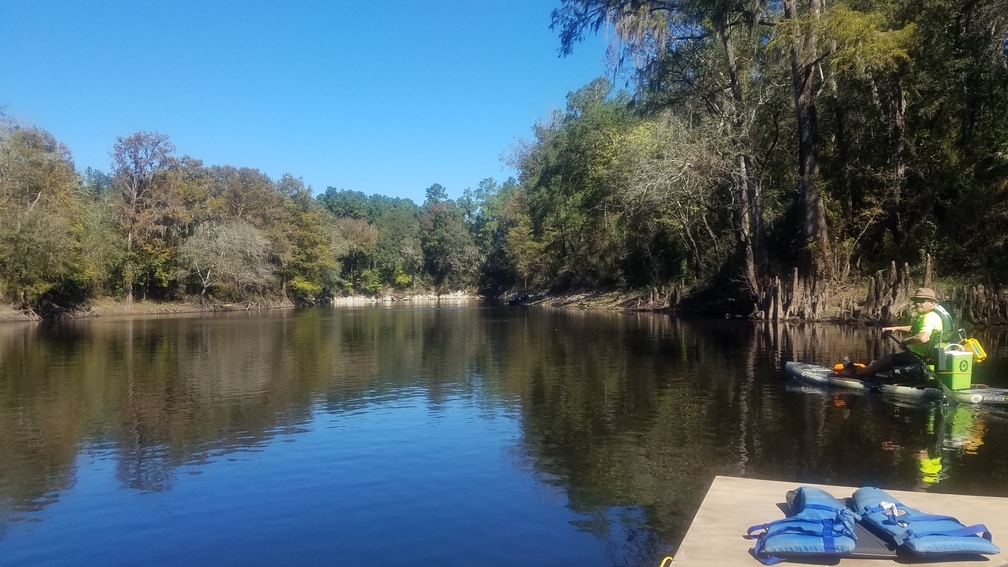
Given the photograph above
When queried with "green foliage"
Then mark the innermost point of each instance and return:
(154, 268)
(864, 44)
(345, 203)
(32, 261)
(571, 174)
(397, 247)
(402, 280)
(907, 153)
(40, 216)
(146, 207)
(449, 253)
(522, 250)
(302, 291)
(103, 246)
(358, 242)
(436, 193)
(371, 282)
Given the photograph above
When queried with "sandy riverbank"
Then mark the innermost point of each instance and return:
(114, 308)
(425, 298)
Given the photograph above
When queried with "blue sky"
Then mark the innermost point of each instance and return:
(382, 98)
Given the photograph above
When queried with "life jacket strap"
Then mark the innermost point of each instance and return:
(956, 532)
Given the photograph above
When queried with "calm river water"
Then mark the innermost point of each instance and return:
(435, 436)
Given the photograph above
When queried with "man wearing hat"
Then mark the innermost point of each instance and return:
(925, 325)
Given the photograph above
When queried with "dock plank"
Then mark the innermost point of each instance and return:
(734, 504)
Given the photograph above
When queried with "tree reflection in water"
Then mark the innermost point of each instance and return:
(629, 416)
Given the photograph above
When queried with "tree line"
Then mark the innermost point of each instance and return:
(780, 145)
(165, 227)
(763, 151)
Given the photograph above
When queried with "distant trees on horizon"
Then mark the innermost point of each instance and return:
(166, 227)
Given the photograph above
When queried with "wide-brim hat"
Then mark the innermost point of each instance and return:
(925, 293)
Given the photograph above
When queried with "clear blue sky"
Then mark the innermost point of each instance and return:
(379, 97)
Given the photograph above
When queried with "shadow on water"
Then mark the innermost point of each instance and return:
(628, 416)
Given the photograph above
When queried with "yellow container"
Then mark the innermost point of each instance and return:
(955, 367)
(979, 354)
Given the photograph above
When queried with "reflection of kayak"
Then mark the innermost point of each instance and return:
(822, 376)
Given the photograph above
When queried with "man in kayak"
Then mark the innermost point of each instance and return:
(924, 327)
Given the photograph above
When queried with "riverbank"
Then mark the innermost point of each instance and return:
(841, 304)
(844, 303)
(646, 300)
(425, 298)
(593, 300)
(110, 308)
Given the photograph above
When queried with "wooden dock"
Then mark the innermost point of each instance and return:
(732, 505)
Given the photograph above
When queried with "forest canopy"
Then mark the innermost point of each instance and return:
(754, 146)
(799, 140)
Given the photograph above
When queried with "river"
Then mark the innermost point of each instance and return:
(451, 435)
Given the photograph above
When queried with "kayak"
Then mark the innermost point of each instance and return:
(822, 376)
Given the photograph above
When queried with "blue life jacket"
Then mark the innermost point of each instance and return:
(917, 532)
(820, 525)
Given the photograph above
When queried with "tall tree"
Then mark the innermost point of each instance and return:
(520, 247)
(300, 241)
(345, 203)
(103, 244)
(360, 241)
(233, 252)
(246, 193)
(436, 193)
(802, 22)
(398, 246)
(137, 159)
(40, 215)
(568, 175)
(669, 45)
(449, 252)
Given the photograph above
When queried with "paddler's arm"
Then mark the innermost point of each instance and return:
(920, 338)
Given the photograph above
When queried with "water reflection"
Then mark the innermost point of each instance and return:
(625, 419)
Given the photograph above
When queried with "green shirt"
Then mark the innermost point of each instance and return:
(929, 322)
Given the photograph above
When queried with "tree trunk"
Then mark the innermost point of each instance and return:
(899, 145)
(749, 218)
(979, 305)
(128, 269)
(888, 294)
(803, 64)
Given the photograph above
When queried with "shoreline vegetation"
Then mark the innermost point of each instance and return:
(973, 305)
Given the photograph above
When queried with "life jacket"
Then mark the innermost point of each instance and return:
(820, 525)
(947, 335)
(918, 532)
(936, 340)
